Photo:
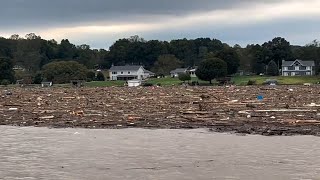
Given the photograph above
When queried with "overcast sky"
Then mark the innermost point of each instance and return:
(100, 22)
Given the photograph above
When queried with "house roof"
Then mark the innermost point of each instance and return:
(125, 68)
(303, 63)
(126, 76)
(149, 72)
(179, 70)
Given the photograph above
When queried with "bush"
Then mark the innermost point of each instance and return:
(184, 77)
(194, 83)
(251, 82)
(147, 84)
(100, 77)
(37, 78)
(91, 76)
(5, 82)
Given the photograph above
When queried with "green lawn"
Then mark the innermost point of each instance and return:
(104, 83)
(168, 81)
(296, 80)
(238, 80)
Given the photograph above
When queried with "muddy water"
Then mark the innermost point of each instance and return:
(80, 154)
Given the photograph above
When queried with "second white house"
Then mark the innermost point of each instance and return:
(129, 72)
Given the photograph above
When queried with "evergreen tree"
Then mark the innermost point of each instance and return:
(272, 69)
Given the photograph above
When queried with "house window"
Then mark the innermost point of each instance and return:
(114, 72)
(297, 68)
(308, 68)
(286, 74)
(121, 72)
(308, 73)
(129, 72)
(286, 68)
(293, 74)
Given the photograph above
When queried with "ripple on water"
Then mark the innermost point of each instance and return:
(76, 154)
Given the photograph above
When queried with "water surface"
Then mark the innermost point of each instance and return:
(82, 154)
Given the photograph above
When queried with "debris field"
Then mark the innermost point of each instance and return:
(265, 110)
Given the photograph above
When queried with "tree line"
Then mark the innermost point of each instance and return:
(33, 53)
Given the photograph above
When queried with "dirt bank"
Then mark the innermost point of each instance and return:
(284, 110)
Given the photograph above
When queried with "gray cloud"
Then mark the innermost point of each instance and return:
(48, 13)
(100, 22)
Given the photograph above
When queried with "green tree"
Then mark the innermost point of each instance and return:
(91, 76)
(232, 59)
(38, 78)
(211, 68)
(66, 50)
(100, 77)
(165, 64)
(6, 71)
(277, 49)
(184, 77)
(64, 71)
(272, 69)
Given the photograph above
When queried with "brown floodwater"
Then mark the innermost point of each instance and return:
(82, 154)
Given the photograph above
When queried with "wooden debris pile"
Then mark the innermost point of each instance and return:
(221, 108)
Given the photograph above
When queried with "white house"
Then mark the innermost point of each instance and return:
(129, 73)
(298, 68)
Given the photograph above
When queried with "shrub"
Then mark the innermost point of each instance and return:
(194, 83)
(91, 76)
(5, 82)
(100, 77)
(37, 78)
(147, 84)
(184, 77)
(251, 82)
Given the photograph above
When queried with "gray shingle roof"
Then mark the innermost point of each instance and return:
(125, 68)
(304, 63)
(179, 70)
(151, 73)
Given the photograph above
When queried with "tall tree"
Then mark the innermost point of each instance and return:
(211, 68)
(66, 50)
(272, 69)
(230, 56)
(6, 72)
(277, 49)
(165, 64)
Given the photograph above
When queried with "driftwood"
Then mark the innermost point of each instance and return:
(230, 108)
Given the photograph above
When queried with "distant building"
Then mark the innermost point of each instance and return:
(191, 71)
(46, 84)
(298, 68)
(129, 73)
(176, 72)
(134, 83)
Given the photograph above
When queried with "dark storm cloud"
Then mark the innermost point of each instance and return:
(47, 13)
